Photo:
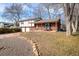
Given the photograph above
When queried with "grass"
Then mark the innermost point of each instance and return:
(55, 43)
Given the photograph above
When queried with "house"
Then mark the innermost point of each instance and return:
(5, 25)
(1, 25)
(27, 24)
(48, 25)
(63, 27)
(40, 25)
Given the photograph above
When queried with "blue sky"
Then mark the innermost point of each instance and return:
(28, 10)
(2, 6)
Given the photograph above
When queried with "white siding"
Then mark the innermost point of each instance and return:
(1, 25)
(23, 29)
(27, 29)
(25, 25)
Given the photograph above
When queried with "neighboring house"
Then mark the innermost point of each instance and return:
(1, 25)
(40, 25)
(5, 25)
(27, 25)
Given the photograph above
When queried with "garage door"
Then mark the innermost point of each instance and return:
(23, 29)
(27, 29)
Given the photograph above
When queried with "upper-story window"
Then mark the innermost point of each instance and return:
(22, 22)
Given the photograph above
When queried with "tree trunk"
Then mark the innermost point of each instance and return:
(75, 24)
(73, 28)
(68, 9)
(68, 27)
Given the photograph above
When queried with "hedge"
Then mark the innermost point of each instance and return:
(9, 30)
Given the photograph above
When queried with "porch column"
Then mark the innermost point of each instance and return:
(56, 26)
(41, 26)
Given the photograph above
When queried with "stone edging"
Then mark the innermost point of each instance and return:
(34, 46)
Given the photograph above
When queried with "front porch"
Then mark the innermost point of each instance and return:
(46, 26)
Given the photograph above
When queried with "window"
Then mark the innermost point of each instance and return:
(47, 26)
(22, 22)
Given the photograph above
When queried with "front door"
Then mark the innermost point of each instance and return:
(47, 26)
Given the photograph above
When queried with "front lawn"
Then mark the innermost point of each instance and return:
(54, 43)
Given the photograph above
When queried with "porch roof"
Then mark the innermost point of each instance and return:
(47, 21)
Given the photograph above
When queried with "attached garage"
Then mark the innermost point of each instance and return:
(25, 29)
(27, 25)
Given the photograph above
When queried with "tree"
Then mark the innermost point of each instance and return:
(53, 6)
(13, 13)
(44, 8)
(75, 18)
(71, 17)
(48, 6)
(68, 10)
(38, 11)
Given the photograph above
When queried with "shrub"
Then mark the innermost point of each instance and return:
(9, 30)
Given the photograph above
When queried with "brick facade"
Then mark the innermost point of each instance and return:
(54, 26)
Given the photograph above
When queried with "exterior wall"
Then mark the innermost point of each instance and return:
(27, 29)
(23, 29)
(1, 25)
(26, 25)
(39, 27)
(54, 27)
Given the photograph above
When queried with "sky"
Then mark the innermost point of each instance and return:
(29, 10)
(2, 6)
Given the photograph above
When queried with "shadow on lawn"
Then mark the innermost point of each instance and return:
(75, 34)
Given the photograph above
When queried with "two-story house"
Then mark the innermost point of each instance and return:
(40, 25)
(27, 24)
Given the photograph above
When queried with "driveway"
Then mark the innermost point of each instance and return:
(14, 45)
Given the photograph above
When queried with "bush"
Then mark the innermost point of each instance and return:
(9, 30)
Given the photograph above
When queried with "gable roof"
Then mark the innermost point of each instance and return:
(30, 19)
(46, 21)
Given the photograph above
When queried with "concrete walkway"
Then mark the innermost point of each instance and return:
(14, 45)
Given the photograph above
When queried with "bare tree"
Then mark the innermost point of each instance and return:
(48, 6)
(38, 12)
(44, 8)
(71, 17)
(13, 13)
(75, 18)
(68, 10)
